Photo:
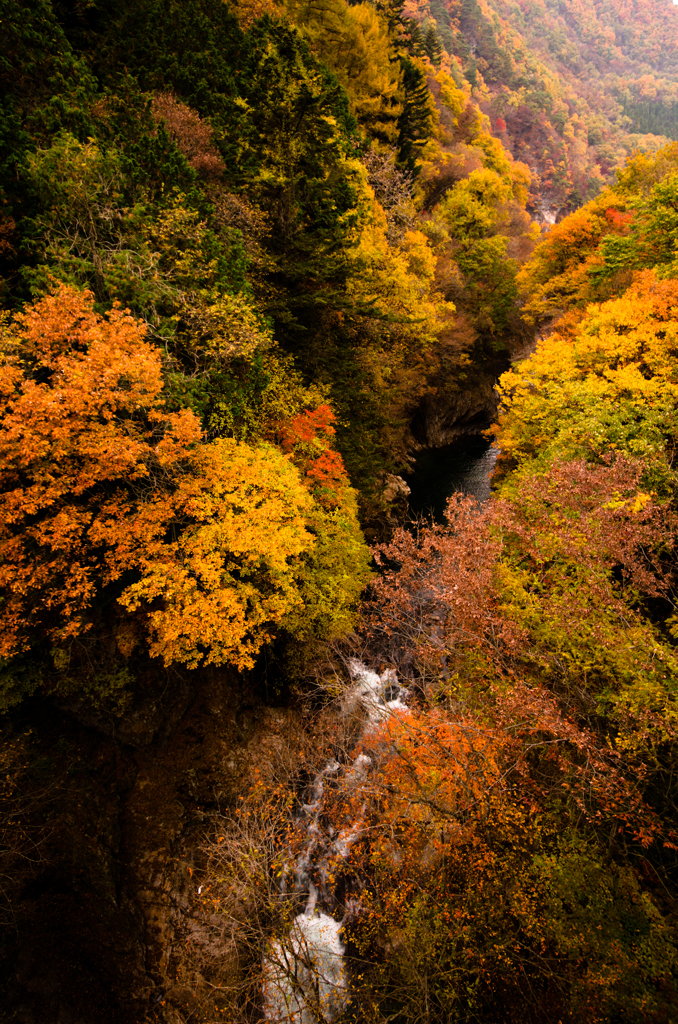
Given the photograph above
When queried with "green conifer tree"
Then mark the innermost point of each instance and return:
(434, 50)
(414, 124)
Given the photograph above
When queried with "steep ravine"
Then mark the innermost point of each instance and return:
(99, 902)
(113, 816)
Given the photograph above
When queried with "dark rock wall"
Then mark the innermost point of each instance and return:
(102, 849)
(450, 412)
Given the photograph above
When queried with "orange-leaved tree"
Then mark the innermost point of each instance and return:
(105, 494)
(337, 568)
(561, 273)
(480, 874)
(308, 437)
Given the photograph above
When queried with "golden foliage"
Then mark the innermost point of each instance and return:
(229, 575)
(397, 280)
(623, 352)
(100, 482)
(354, 41)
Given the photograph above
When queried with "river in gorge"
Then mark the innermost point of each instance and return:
(304, 973)
(465, 465)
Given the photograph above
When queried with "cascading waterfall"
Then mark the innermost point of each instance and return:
(304, 974)
(305, 978)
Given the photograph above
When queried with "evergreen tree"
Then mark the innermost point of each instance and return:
(302, 141)
(44, 88)
(434, 50)
(412, 39)
(414, 124)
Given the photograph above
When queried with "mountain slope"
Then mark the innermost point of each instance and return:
(571, 87)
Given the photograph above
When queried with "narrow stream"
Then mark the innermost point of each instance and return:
(304, 974)
(465, 465)
(305, 979)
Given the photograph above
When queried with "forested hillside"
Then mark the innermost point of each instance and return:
(571, 88)
(208, 194)
(253, 256)
(507, 833)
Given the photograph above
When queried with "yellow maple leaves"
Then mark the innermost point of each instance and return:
(103, 487)
(230, 574)
(620, 360)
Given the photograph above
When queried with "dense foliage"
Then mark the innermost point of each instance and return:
(238, 195)
(534, 784)
(507, 842)
(240, 244)
(108, 496)
(571, 87)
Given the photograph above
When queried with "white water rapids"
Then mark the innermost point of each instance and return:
(305, 978)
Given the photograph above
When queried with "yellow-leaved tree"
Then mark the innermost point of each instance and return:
(353, 40)
(605, 380)
(588, 522)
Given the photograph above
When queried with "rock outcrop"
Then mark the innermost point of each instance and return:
(101, 847)
(454, 411)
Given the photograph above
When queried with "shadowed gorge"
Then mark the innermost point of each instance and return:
(338, 622)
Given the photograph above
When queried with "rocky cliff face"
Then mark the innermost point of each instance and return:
(101, 862)
(465, 408)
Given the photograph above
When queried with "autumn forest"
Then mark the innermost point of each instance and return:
(272, 749)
